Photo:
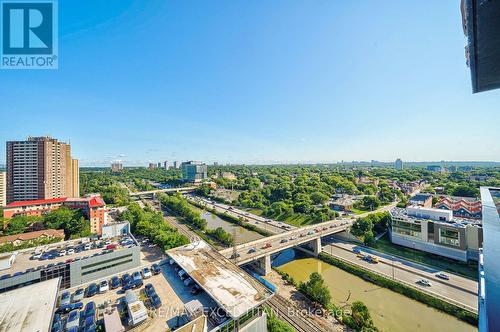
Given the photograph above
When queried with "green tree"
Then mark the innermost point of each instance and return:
(316, 290)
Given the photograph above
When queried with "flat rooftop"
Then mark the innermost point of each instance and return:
(24, 261)
(228, 285)
(21, 311)
(455, 222)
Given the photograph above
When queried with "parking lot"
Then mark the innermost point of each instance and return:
(51, 254)
(168, 286)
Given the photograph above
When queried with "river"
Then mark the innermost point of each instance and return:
(243, 235)
(390, 311)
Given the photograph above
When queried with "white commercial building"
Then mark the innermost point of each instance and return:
(436, 231)
(3, 189)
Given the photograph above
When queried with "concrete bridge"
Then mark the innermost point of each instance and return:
(153, 192)
(258, 253)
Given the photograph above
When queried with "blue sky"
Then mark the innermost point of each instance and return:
(256, 82)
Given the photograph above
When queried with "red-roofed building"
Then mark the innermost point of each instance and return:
(93, 206)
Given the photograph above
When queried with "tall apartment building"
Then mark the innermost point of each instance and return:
(116, 166)
(3, 189)
(398, 164)
(177, 164)
(41, 168)
(165, 164)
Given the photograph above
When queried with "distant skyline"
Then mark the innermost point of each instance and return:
(255, 83)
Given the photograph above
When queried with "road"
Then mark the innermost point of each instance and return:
(458, 290)
(272, 226)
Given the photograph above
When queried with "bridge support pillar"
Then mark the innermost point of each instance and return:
(262, 265)
(316, 246)
(312, 247)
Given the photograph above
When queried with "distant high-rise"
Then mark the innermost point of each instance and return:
(3, 189)
(158, 165)
(194, 171)
(398, 164)
(152, 166)
(116, 166)
(165, 164)
(177, 164)
(41, 168)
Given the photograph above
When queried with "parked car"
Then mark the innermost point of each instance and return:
(267, 245)
(146, 273)
(89, 310)
(356, 251)
(311, 232)
(89, 324)
(62, 253)
(235, 255)
(70, 251)
(73, 319)
(132, 284)
(443, 276)
(189, 281)
(65, 298)
(88, 246)
(149, 290)
(283, 241)
(155, 301)
(252, 250)
(125, 279)
(78, 295)
(136, 276)
(36, 256)
(155, 268)
(103, 286)
(91, 290)
(196, 290)
(115, 282)
(182, 274)
(64, 309)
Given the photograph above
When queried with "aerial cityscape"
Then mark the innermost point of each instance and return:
(246, 166)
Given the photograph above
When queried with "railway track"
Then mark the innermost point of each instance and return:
(293, 316)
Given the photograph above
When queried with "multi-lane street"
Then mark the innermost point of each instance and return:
(267, 224)
(457, 289)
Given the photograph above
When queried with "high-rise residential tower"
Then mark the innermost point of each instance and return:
(398, 164)
(41, 168)
(3, 189)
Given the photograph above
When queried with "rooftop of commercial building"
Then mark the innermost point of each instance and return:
(21, 311)
(26, 260)
(229, 286)
(421, 197)
(402, 213)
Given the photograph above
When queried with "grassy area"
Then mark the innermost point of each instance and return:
(468, 270)
(410, 292)
(358, 211)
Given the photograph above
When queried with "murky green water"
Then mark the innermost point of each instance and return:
(390, 311)
(243, 235)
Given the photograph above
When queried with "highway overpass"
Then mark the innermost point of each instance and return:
(167, 190)
(258, 253)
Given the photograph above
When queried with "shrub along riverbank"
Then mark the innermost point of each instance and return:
(181, 207)
(407, 291)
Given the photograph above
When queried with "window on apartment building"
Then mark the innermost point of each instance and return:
(449, 237)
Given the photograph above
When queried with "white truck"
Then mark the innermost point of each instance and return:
(137, 311)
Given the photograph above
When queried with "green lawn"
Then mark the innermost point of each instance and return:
(358, 211)
(468, 270)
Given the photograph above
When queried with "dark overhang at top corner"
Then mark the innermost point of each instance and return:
(481, 24)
